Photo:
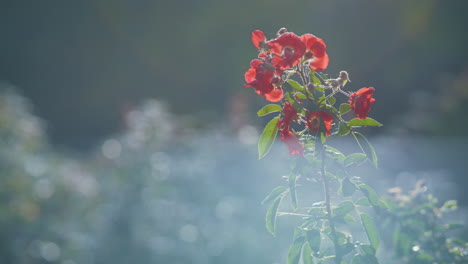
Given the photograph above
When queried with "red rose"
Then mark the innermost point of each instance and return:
(315, 52)
(314, 121)
(265, 80)
(288, 50)
(361, 102)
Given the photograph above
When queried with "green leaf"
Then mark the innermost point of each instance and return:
(349, 218)
(343, 208)
(296, 86)
(294, 253)
(314, 79)
(267, 109)
(368, 149)
(348, 188)
(307, 254)
(371, 231)
(363, 202)
(275, 193)
(313, 238)
(343, 129)
(292, 189)
(271, 215)
(344, 108)
(332, 100)
(366, 122)
(367, 249)
(301, 96)
(354, 158)
(372, 196)
(267, 138)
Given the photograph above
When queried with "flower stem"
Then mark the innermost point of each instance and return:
(326, 190)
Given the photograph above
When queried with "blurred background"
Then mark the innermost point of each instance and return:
(127, 135)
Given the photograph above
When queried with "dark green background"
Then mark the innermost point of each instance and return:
(84, 63)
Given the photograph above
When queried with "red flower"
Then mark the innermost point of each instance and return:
(289, 114)
(258, 39)
(314, 121)
(361, 102)
(265, 80)
(288, 50)
(294, 145)
(316, 52)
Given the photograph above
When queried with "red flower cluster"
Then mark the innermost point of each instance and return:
(279, 54)
(361, 102)
(291, 54)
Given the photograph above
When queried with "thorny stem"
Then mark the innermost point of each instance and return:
(329, 211)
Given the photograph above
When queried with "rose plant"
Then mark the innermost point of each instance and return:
(288, 71)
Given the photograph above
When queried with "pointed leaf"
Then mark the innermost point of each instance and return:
(271, 215)
(292, 189)
(294, 253)
(367, 147)
(271, 108)
(371, 231)
(366, 122)
(344, 108)
(275, 193)
(267, 138)
(332, 100)
(296, 86)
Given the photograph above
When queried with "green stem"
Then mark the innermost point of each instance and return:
(326, 190)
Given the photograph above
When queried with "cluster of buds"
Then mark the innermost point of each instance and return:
(310, 104)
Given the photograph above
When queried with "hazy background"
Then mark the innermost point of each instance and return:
(87, 68)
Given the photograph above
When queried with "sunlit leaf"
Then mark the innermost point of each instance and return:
(267, 138)
(366, 122)
(367, 147)
(275, 193)
(314, 79)
(307, 254)
(313, 237)
(301, 96)
(296, 86)
(371, 231)
(294, 253)
(354, 158)
(292, 189)
(344, 108)
(271, 215)
(267, 109)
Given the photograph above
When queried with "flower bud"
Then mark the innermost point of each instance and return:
(311, 87)
(344, 76)
(281, 31)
